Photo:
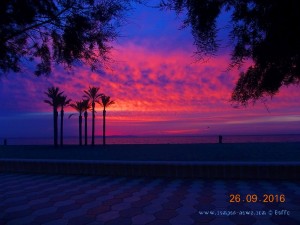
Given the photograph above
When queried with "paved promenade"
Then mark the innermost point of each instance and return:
(218, 161)
(94, 200)
(231, 152)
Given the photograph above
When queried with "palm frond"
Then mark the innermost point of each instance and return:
(100, 103)
(92, 93)
(54, 95)
(105, 101)
(68, 101)
(63, 101)
(99, 95)
(86, 104)
(48, 102)
(110, 103)
(78, 106)
(87, 94)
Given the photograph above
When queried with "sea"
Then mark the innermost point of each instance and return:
(157, 139)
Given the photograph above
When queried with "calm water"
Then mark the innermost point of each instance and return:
(162, 140)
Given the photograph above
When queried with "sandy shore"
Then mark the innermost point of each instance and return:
(241, 152)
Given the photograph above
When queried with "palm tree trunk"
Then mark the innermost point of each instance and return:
(93, 123)
(55, 115)
(80, 129)
(104, 114)
(62, 127)
(85, 127)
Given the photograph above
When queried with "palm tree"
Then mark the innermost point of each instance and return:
(92, 95)
(54, 95)
(63, 101)
(79, 107)
(105, 102)
(86, 106)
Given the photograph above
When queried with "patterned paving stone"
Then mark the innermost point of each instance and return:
(282, 220)
(172, 205)
(48, 217)
(221, 221)
(203, 219)
(203, 205)
(38, 201)
(121, 206)
(142, 219)
(5, 217)
(245, 220)
(98, 210)
(140, 204)
(110, 215)
(44, 211)
(82, 219)
(27, 199)
(74, 213)
(221, 203)
(152, 208)
(118, 221)
(19, 207)
(56, 222)
(182, 219)
(159, 222)
(295, 214)
(186, 210)
(67, 208)
(264, 221)
(165, 214)
(22, 220)
(63, 203)
(133, 198)
(131, 212)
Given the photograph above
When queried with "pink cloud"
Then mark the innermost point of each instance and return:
(157, 92)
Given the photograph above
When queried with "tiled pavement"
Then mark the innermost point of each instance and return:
(61, 199)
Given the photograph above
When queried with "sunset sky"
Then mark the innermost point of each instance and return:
(157, 84)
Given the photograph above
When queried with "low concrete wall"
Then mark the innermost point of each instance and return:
(221, 170)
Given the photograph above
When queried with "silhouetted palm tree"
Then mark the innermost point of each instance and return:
(79, 107)
(86, 106)
(54, 95)
(93, 96)
(63, 101)
(105, 102)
